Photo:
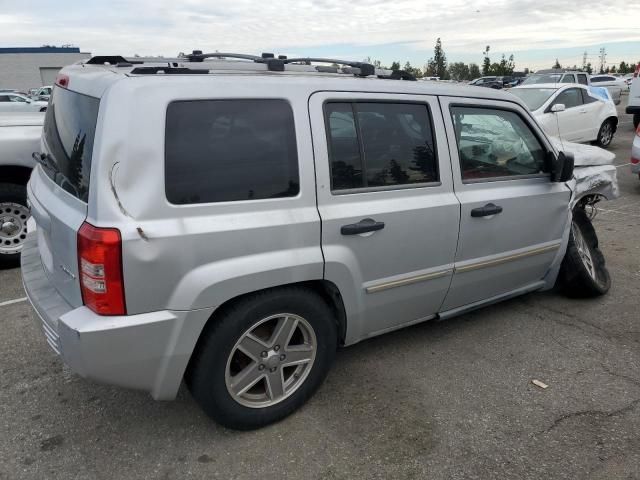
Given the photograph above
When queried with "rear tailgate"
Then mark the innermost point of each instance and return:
(59, 186)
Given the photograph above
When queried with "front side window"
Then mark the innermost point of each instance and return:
(495, 144)
(570, 98)
(380, 144)
(230, 150)
(16, 98)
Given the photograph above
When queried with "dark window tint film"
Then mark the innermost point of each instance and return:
(230, 150)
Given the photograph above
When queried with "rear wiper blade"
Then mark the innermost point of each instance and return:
(44, 159)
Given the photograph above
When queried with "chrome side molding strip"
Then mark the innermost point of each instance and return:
(507, 258)
(408, 281)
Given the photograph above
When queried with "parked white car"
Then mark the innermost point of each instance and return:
(15, 102)
(42, 93)
(609, 81)
(572, 112)
(19, 137)
(633, 102)
(635, 153)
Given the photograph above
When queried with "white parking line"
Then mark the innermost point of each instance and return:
(11, 302)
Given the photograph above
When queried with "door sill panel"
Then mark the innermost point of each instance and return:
(489, 301)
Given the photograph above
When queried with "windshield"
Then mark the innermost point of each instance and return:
(69, 128)
(542, 78)
(533, 98)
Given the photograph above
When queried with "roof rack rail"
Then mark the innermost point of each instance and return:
(399, 75)
(366, 69)
(168, 70)
(198, 56)
(112, 59)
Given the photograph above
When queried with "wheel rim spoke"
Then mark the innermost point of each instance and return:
(275, 385)
(284, 331)
(298, 355)
(246, 379)
(252, 346)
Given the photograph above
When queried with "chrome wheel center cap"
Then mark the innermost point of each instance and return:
(9, 227)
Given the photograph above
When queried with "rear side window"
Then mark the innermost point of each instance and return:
(380, 144)
(582, 79)
(69, 129)
(230, 150)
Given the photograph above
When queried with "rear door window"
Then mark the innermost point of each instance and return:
(373, 145)
(582, 79)
(69, 130)
(230, 150)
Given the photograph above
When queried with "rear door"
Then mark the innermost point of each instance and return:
(389, 215)
(59, 186)
(512, 216)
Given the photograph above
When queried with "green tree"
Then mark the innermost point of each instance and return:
(437, 65)
(486, 62)
(395, 66)
(416, 72)
(474, 71)
(589, 68)
(557, 64)
(623, 68)
(459, 71)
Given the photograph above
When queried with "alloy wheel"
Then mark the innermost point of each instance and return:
(583, 251)
(271, 360)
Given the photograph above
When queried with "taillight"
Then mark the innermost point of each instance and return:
(635, 161)
(100, 268)
(62, 80)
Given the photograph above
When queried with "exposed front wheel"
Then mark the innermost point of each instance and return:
(605, 134)
(583, 272)
(14, 214)
(263, 357)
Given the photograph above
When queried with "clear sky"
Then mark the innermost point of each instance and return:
(535, 31)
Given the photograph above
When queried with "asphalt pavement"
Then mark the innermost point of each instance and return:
(440, 400)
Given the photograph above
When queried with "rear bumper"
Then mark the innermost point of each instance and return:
(149, 351)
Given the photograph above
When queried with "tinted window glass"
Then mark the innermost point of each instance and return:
(344, 149)
(570, 98)
(391, 143)
(495, 143)
(568, 79)
(69, 128)
(586, 98)
(582, 79)
(4, 98)
(227, 150)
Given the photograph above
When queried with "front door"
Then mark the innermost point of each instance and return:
(389, 216)
(512, 216)
(574, 121)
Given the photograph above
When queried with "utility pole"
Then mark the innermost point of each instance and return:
(603, 59)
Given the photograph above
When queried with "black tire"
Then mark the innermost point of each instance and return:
(11, 193)
(575, 280)
(205, 376)
(636, 120)
(605, 134)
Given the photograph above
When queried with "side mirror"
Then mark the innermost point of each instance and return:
(562, 167)
(558, 107)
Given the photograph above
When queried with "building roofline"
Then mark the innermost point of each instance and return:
(40, 50)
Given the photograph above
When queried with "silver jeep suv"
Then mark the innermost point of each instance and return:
(231, 222)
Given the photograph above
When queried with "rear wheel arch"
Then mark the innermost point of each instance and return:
(15, 174)
(325, 289)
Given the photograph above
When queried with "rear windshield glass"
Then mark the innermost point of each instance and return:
(69, 128)
(534, 98)
(230, 150)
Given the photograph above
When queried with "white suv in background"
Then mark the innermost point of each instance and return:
(633, 102)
